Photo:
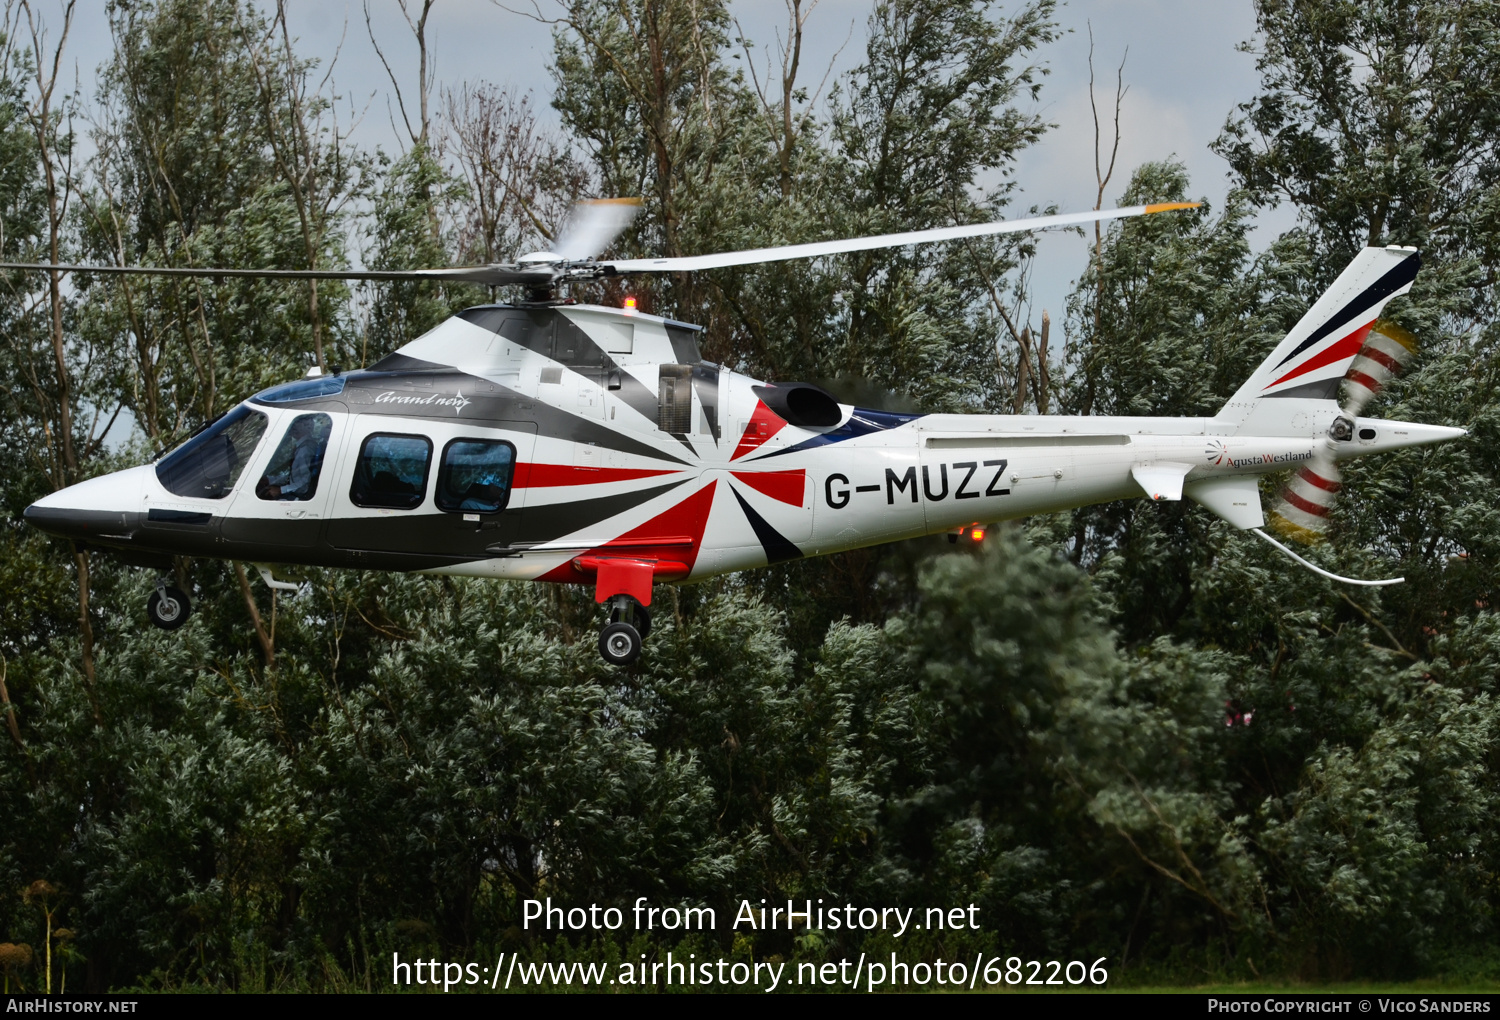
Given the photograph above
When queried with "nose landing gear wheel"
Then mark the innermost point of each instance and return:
(620, 644)
(169, 608)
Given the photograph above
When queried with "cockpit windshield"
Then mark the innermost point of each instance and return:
(208, 465)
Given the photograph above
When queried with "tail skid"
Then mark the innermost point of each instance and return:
(1324, 573)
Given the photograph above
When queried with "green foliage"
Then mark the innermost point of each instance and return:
(1376, 121)
(191, 170)
(931, 112)
(406, 232)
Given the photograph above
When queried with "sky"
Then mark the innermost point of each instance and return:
(1183, 69)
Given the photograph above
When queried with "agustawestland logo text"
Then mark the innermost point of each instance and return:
(1270, 458)
(457, 401)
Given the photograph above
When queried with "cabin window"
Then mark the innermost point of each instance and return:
(392, 471)
(674, 399)
(208, 465)
(474, 476)
(298, 461)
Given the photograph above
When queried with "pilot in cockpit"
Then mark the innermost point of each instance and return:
(296, 476)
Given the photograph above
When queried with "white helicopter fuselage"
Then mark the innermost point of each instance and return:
(611, 443)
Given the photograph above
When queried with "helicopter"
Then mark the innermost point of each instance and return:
(543, 440)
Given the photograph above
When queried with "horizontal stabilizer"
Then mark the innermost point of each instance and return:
(1236, 499)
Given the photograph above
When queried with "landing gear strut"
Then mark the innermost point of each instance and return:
(629, 623)
(168, 607)
(623, 585)
(624, 609)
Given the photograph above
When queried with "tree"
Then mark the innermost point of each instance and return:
(931, 110)
(1375, 120)
(1378, 124)
(311, 154)
(521, 181)
(187, 175)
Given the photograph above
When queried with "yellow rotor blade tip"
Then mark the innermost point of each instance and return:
(1168, 206)
(1405, 337)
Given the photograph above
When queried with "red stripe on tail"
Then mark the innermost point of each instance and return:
(1345, 348)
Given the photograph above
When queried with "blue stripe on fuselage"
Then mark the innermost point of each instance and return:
(861, 423)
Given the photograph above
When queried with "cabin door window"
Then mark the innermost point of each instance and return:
(391, 472)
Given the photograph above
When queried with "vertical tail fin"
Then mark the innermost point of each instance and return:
(1295, 390)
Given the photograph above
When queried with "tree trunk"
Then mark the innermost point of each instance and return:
(266, 639)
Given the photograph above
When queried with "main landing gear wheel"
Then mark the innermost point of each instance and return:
(620, 644)
(169, 607)
(629, 623)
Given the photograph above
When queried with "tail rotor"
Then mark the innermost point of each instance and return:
(1302, 509)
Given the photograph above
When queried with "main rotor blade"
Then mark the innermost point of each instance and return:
(489, 275)
(813, 250)
(593, 225)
